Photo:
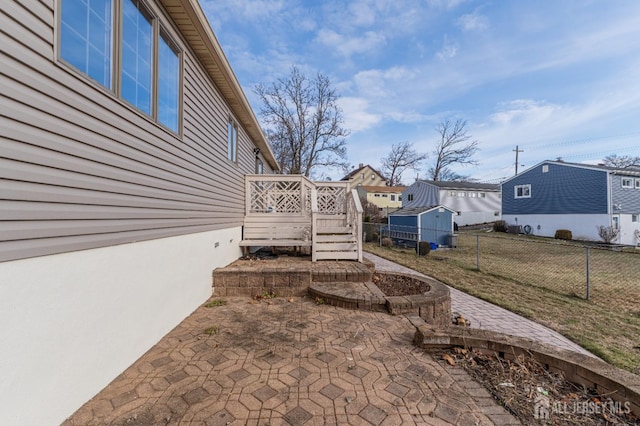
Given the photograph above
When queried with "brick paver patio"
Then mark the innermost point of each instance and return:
(291, 361)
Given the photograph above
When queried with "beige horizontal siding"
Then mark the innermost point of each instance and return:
(81, 169)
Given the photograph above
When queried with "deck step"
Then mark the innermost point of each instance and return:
(336, 255)
(324, 247)
(334, 230)
(325, 216)
(335, 238)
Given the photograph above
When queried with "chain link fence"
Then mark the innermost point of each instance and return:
(605, 275)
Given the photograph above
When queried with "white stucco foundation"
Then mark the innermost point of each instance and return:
(582, 226)
(72, 322)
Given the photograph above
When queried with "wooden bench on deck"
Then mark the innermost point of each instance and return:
(273, 230)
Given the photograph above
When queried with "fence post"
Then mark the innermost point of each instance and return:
(588, 296)
(478, 252)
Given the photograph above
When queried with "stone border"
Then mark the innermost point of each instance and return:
(434, 306)
(284, 280)
(622, 386)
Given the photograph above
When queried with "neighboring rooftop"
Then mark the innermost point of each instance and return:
(359, 169)
(463, 185)
(394, 189)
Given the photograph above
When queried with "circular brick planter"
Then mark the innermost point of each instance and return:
(433, 305)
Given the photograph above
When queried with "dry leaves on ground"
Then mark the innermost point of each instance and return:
(537, 396)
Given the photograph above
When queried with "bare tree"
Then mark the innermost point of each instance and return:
(447, 175)
(455, 146)
(303, 122)
(622, 161)
(401, 158)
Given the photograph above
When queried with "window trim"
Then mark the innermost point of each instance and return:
(637, 183)
(627, 183)
(232, 140)
(160, 28)
(526, 188)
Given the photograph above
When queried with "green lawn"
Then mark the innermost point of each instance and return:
(546, 282)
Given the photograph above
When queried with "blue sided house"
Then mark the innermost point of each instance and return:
(580, 197)
(430, 224)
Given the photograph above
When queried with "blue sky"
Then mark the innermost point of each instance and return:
(558, 78)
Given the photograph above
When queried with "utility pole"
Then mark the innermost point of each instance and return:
(517, 151)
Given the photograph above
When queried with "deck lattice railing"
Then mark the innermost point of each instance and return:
(296, 196)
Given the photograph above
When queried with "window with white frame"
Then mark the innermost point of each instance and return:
(376, 195)
(232, 141)
(462, 194)
(637, 183)
(627, 183)
(522, 191)
(392, 197)
(128, 53)
(473, 194)
(482, 195)
(634, 217)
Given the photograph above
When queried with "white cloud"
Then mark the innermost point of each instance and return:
(473, 22)
(347, 45)
(525, 111)
(446, 4)
(449, 50)
(356, 115)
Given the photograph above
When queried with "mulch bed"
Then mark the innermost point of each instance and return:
(399, 285)
(537, 396)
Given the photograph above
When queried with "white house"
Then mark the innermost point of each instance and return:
(474, 203)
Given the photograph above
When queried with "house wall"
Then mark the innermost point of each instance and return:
(82, 169)
(472, 209)
(625, 200)
(110, 225)
(73, 321)
(582, 226)
(421, 194)
(628, 228)
(561, 190)
(383, 200)
(368, 177)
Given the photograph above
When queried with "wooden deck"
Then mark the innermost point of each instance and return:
(291, 210)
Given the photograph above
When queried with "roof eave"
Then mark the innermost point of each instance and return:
(194, 26)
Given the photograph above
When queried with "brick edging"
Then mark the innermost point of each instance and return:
(621, 385)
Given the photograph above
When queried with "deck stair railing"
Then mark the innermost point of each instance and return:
(292, 210)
